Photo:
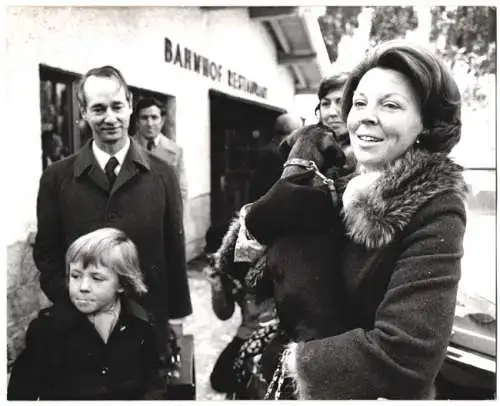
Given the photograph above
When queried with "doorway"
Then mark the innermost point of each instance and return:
(238, 131)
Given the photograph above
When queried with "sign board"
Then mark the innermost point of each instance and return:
(195, 62)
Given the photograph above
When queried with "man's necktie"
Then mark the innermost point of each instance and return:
(150, 145)
(110, 170)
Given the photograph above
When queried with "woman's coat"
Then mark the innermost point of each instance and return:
(401, 269)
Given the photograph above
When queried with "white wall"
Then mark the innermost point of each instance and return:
(132, 39)
(305, 105)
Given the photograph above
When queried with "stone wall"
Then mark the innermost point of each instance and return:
(24, 296)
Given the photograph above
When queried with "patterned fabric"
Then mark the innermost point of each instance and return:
(247, 362)
(256, 273)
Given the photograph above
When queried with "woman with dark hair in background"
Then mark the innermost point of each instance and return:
(329, 105)
(404, 218)
(328, 111)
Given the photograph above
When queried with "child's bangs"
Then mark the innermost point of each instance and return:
(114, 256)
(95, 253)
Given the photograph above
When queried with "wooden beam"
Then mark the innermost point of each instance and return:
(295, 58)
(305, 90)
(271, 13)
(274, 26)
(213, 8)
(298, 74)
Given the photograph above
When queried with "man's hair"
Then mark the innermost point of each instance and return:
(107, 71)
(146, 102)
(110, 248)
(437, 91)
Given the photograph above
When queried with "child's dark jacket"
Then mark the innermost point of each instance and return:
(65, 358)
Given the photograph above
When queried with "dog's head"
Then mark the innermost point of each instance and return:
(314, 143)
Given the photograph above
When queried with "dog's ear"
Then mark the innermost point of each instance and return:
(284, 148)
(289, 141)
(332, 152)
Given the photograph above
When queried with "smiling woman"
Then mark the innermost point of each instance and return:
(404, 219)
(421, 76)
(384, 120)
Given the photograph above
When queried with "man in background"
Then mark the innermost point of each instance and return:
(150, 119)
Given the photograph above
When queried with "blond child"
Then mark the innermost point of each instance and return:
(102, 346)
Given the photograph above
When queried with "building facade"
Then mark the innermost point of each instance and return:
(221, 72)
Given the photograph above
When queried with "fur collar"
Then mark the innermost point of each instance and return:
(224, 257)
(380, 208)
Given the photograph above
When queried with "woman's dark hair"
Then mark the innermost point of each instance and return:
(329, 84)
(436, 90)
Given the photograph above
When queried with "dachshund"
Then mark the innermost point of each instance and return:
(300, 266)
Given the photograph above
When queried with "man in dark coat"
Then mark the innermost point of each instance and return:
(114, 182)
(269, 161)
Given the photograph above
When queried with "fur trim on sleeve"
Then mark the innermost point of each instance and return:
(224, 257)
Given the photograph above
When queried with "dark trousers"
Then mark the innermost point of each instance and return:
(223, 378)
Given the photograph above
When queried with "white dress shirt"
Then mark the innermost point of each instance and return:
(102, 157)
(156, 140)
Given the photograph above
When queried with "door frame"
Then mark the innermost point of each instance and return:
(219, 213)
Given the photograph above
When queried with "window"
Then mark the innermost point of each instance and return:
(57, 101)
